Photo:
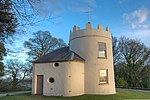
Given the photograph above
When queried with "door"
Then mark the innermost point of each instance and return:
(40, 84)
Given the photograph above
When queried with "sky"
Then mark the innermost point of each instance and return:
(130, 18)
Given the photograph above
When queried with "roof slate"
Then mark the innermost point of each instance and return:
(59, 55)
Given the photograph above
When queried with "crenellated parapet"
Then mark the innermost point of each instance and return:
(89, 31)
(76, 28)
(89, 27)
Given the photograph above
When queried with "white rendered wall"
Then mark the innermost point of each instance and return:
(69, 78)
(85, 43)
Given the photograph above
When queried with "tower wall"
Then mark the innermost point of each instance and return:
(85, 43)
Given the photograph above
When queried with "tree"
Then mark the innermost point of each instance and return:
(133, 58)
(8, 21)
(17, 71)
(28, 12)
(15, 15)
(42, 43)
(115, 47)
(2, 53)
(135, 54)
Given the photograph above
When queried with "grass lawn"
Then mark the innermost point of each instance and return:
(121, 95)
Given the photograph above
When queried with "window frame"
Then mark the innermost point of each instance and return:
(105, 50)
(106, 77)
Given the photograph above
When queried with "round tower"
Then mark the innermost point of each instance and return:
(95, 46)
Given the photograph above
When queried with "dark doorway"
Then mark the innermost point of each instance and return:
(40, 84)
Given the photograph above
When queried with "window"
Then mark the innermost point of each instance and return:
(103, 76)
(51, 80)
(102, 50)
(56, 64)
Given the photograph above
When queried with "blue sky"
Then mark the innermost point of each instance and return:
(130, 18)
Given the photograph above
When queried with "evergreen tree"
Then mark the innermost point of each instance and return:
(2, 53)
(8, 22)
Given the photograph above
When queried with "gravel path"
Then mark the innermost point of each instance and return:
(14, 93)
(134, 90)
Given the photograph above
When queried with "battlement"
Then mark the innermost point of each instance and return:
(89, 27)
(90, 32)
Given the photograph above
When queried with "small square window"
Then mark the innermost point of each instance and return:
(102, 50)
(103, 76)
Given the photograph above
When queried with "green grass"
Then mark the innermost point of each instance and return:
(121, 95)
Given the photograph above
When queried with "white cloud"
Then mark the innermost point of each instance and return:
(141, 15)
(81, 5)
(144, 26)
(138, 22)
(48, 7)
(90, 2)
(55, 7)
(137, 18)
(142, 35)
(133, 26)
(120, 1)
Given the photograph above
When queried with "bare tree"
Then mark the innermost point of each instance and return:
(27, 11)
(116, 53)
(15, 15)
(135, 54)
(42, 43)
(17, 71)
(133, 58)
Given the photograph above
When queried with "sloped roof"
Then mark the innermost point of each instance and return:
(59, 55)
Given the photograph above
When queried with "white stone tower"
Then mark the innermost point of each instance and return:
(95, 46)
